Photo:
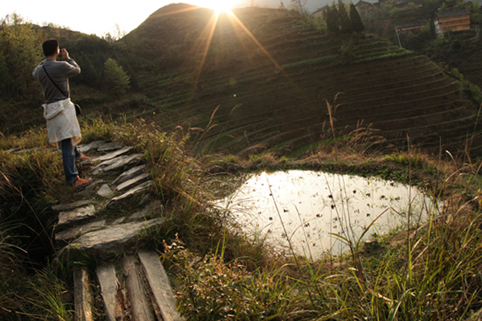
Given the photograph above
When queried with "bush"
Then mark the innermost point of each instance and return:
(116, 79)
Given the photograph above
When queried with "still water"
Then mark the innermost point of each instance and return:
(314, 210)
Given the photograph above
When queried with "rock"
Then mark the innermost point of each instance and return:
(117, 164)
(78, 231)
(104, 191)
(71, 206)
(112, 239)
(110, 147)
(133, 182)
(91, 145)
(112, 155)
(133, 159)
(76, 215)
(149, 211)
(129, 194)
(131, 173)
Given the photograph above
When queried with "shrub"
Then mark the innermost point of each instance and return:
(116, 79)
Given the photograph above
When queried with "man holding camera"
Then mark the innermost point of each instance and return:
(62, 125)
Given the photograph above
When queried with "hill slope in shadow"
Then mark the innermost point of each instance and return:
(261, 80)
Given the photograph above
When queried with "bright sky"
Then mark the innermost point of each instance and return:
(97, 17)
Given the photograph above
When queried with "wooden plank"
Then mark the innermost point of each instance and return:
(108, 289)
(82, 295)
(160, 286)
(141, 309)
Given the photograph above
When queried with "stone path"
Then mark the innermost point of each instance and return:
(112, 215)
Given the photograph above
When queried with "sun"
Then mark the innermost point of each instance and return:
(219, 5)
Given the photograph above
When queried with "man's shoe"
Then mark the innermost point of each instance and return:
(82, 158)
(80, 182)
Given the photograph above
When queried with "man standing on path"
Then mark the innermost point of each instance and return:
(62, 125)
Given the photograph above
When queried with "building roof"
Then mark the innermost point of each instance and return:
(363, 3)
(410, 25)
(453, 13)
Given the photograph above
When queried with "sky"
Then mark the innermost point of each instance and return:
(101, 17)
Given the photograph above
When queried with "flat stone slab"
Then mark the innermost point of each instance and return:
(133, 159)
(71, 206)
(113, 238)
(160, 286)
(149, 211)
(105, 191)
(76, 215)
(118, 163)
(110, 147)
(131, 173)
(131, 193)
(133, 182)
(92, 145)
(73, 233)
(112, 155)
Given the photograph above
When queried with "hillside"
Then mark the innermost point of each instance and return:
(279, 73)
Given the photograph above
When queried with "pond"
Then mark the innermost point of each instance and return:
(318, 212)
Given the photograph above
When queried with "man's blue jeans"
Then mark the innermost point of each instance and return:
(69, 153)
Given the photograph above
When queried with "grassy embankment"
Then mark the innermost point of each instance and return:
(427, 272)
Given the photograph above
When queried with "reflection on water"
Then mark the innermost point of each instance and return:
(308, 207)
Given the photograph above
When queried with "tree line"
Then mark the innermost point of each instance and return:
(21, 51)
(339, 20)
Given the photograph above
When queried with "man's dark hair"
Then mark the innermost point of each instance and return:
(50, 47)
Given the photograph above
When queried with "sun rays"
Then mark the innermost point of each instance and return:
(205, 38)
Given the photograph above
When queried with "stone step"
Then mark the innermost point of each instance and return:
(133, 182)
(77, 231)
(114, 154)
(108, 147)
(160, 286)
(131, 173)
(136, 191)
(83, 298)
(71, 206)
(117, 164)
(84, 148)
(75, 216)
(141, 309)
(111, 240)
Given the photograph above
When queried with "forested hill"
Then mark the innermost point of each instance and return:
(253, 81)
(271, 73)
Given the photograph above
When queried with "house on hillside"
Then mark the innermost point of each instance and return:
(363, 6)
(320, 12)
(405, 4)
(455, 20)
(412, 27)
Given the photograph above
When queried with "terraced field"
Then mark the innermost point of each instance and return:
(269, 91)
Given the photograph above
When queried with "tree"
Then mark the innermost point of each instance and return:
(356, 22)
(299, 4)
(19, 53)
(345, 24)
(332, 18)
(115, 78)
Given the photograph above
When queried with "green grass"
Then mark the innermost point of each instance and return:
(428, 273)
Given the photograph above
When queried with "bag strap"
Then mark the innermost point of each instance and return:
(53, 82)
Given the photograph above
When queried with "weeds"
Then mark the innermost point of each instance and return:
(213, 290)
